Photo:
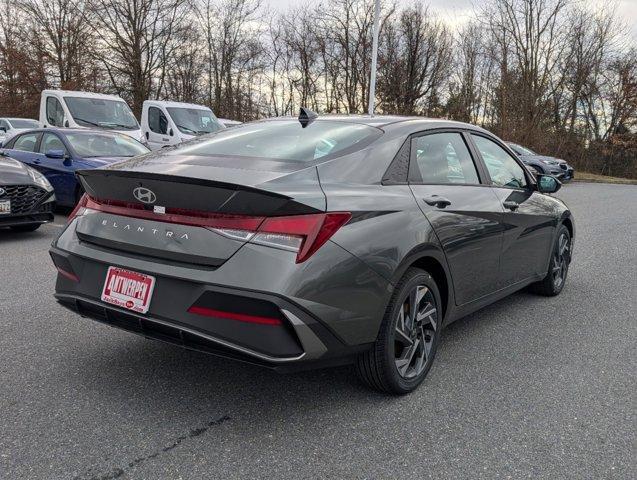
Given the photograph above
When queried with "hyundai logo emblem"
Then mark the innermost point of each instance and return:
(2, 191)
(145, 195)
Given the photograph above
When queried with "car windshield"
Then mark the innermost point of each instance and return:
(520, 150)
(93, 144)
(285, 140)
(103, 113)
(23, 123)
(194, 121)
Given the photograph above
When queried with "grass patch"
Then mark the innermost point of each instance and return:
(595, 178)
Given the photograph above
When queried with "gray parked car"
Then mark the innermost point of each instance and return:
(543, 164)
(299, 243)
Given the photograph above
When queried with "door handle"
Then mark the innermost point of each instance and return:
(36, 161)
(511, 205)
(436, 201)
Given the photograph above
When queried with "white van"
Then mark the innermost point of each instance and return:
(63, 108)
(169, 123)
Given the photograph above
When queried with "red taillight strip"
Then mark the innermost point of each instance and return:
(178, 216)
(69, 275)
(241, 317)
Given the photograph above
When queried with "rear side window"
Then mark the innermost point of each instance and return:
(285, 140)
(442, 158)
(157, 121)
(54, 112)
(26, 142)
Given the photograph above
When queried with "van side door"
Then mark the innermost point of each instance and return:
(158, 128)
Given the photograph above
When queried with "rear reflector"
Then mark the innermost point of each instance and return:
(303, 234)
(241, 317)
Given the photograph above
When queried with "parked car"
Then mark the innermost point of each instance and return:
(230, 123)
(73, 109)
(59, 153)
(26, 196)
(314, 241)
(543, 164)
(169, 123)
(11, 126)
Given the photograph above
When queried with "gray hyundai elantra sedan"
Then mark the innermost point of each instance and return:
(304, 242)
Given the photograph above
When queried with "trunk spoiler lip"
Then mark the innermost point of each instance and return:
(85, 173)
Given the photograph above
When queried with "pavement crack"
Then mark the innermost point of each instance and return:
(118, 472)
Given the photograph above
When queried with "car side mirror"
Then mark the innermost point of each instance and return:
(171, 133)
(3, 129)
(547, 184)
(66, 123)
(55, 154)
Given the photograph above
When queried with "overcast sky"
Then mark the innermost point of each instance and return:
(458, 11)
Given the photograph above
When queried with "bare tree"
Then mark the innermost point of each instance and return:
(136, 39)
(63, 26)
(415, 62)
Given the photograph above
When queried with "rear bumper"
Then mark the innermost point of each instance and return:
(312, 337)
(330, 307)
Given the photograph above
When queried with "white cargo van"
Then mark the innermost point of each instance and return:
(63, 108)
(169, 123)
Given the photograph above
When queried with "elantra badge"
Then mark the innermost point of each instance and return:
(144, 195)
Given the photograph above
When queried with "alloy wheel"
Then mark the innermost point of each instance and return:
(560, 260)
(414, 333)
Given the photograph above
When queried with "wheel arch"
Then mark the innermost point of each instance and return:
(432, 260)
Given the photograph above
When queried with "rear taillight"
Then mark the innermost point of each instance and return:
(303, 234)
(79, 208)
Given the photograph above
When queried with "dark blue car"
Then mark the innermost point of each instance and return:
(58, 153)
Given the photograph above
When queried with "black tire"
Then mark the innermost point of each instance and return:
(26, 228)
(379, 366)
(555, 278)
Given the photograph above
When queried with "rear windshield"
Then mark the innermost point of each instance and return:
(285, 140)
(24, 123)
(93, 144)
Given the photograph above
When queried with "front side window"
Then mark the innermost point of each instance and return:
(104, 145)
(284, 140)
(54, 112)
(51, 142)
(442, 158)
(26, 142)
(157, 121)
(502, 167)
(194, 121)
(103, 113)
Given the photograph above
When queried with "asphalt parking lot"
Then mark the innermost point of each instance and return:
(527, 388)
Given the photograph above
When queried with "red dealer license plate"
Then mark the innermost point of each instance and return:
(131, 290)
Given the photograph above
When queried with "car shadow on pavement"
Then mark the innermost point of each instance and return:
(123, 366)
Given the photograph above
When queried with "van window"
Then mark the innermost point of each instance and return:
(101, 112)
(54, 112)
(194, 121)
(157, 121)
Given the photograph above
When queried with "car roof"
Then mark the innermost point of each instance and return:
(168, 103)
(381, 121)
(18, 118)
(65, 131)
(78, 93)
